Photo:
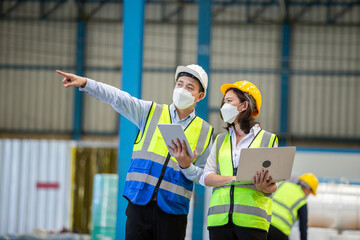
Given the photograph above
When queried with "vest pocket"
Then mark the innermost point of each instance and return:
(140, 165)
(178, 200)
(138, 173)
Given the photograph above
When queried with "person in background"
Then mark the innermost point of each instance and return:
(158, 186)
(238, 211)
(290, 205)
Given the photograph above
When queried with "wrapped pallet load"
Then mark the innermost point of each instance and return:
(104, 206)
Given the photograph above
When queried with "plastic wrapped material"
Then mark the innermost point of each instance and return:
(45, 236)
(321, 233)
(345, 237)
(104, 206)
(335, 206)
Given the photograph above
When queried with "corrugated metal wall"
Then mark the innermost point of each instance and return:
(31, 97)
(325, 81)
(48, 184)
(246, 44)
(34, 185)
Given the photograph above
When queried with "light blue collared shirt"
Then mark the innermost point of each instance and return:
(137, 110)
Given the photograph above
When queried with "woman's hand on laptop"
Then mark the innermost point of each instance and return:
(263, 182)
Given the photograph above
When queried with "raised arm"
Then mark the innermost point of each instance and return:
(135, 110)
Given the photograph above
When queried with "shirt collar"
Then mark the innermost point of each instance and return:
(253, 131)
(175, 117)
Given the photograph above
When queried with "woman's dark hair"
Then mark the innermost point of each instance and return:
(246, 121)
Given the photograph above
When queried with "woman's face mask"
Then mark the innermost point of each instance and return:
(182, 98)
(229, 112)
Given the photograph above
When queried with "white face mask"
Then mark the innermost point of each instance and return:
(229, 112)
(182, 98)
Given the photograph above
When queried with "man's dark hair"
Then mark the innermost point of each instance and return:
(192, 76)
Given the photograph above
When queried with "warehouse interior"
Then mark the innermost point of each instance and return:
(59, 146)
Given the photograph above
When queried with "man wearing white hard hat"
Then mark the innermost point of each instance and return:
(158, 186)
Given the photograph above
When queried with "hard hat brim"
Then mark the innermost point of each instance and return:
(181, 69)
(227, 86)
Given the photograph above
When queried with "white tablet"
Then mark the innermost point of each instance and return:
(172, 132)
(279, 161)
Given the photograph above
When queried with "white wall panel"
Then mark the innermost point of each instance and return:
(104, 44)
(325, 106)
(25, 205)
(160, 46)
(158, 87)
(100, 117)
(189, 43)
(245, 46)
(325, 48)
(31, 95)
(35, 100)
(41, 42)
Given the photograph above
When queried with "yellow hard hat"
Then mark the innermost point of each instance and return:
(311, 180)
(249, 88)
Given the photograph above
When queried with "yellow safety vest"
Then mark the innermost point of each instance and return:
(153, 173)
(244, 205)
(288, 198)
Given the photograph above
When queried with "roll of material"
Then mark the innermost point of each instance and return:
(104, 205)
(345, 237)
(335, 206)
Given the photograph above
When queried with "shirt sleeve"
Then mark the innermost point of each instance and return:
(135, 110)
(210, 166)
(303, 219)
(195, 170)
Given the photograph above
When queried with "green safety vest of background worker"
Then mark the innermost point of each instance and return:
(289, 205)
(158, 186)
(239, 211)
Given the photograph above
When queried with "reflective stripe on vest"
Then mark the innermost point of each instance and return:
(153, 171)
(140, 177)
(288, 198)
(251, 208)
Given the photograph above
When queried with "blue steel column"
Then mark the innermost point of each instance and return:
(204, 36)
(285, 76)
(131, 83)
(79, 70)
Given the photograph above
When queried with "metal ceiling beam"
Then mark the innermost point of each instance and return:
(261, 10)
(10, 9)
(167, 16)
(96, 9)
(45, 14)
(222, 8)
(343, 11)
(336, 9)
(304, 9)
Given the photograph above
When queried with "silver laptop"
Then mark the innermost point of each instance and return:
(279, 161)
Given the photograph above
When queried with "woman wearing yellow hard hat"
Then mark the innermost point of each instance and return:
(238, 211)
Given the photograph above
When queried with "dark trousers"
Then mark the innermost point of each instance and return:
(276, 234)
(150, 222)
(231, 231)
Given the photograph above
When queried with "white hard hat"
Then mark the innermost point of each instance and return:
(195, 70)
